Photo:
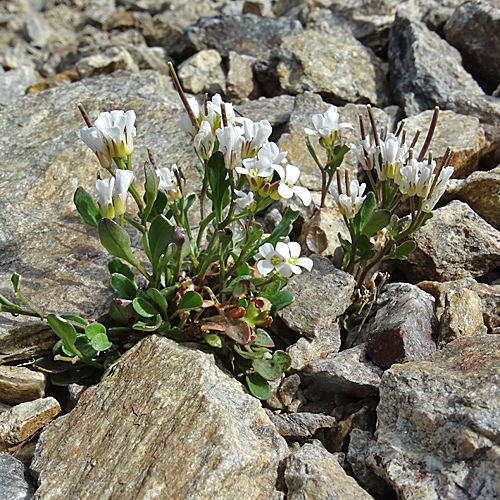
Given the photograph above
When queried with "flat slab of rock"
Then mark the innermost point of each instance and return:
(19, 384)
(463, 134)
(166, 424)
(336, 65)
(300, 425)
(22, 421)
(456, 243)
(321, 296)
(438, 423)
(312, 472)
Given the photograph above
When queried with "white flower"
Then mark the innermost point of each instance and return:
(271, 151)
(214, 109)
(285, 259)
(255, 167)
(326, 125)
(185, 122)
(439, 189)
(104, 188)
(229, 144)
(243, 199)
(286, 189)
(118, 130)
(168, 182)
(204, 140)
(255, 135)
(95, 140)
(123, 180)
(415, 178)
(349, 201)
(366, 153)
(392, 155)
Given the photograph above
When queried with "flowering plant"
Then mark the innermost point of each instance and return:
(218, 283)
(395, 176)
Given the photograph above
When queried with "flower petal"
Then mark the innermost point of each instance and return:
(266, 249)
(294, 249)
(284, 269)
(264, 267)
(304, 194)
(305, 262)
(283, 250)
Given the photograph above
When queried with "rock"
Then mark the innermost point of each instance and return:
(203, 73)
(113, 59)
(166, 408)
(456, 243)
(458, 309)
(14, 57)
(462, 133)
(290, 394)
(4, 407)
(39, 32)
(306, 350)
(348, 371)
(423, 68)
(75, 392)
(14, 83)
(240, 82)
(321, 296)
(361, 448)
(339, 67)
(98, 11)
(300, 425)
(481, 191)
(26, 452)
(307, 105)
(490, 302)
(22, 421)
(324, 226)
(438, 423)
(248, 34)
(404, 329)
(151, 6)
(312, 472)
(45, 161)
(15, 482)
(276, 110)
(19, 384)
(480, 47)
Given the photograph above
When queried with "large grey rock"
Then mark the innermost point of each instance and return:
(248, 34)
(337, 66)
(21, 422)
(404, 329)
(438, 424)
(490, 302)
(166, 424)
(423, 67)
(112, 59)
(15, 483)
(19, 384)
(313, 472)
(348, 371)
(463, 134)
(14, 83)
(42, 236)
(456, 243)
(203, 72)
(474, 29)
(321, 296)
(481, 191)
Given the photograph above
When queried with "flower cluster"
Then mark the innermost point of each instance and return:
(348, 195)
(247, 151)
(284, 259)
(112, 193)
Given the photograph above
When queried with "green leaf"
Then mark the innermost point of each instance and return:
(271, 290)
(258, 386)
(365, 212)
(405, 249)
(313, 153)
(158, 298)
(159, 237)
(125, 288)
(190, 300)
(377, 221)
(64, 330)
(120, 312)
(94, 329)
(271, 369)
(243, 270)
(144, 308)
(75, 376)
(281, 300)
(48, 365)
(218, 180)
(262, 339)
(82, 343)
(117, 266)
(15, 280)
(86, 207)
(158, 206)
(116, 241)
(5, 302)
(150, 187)
(76, 319)
(248, 354)
(146, 327)
(100, 342)
(213, 339)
